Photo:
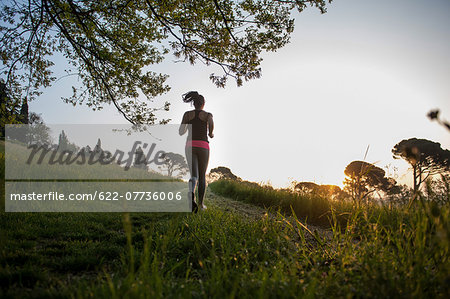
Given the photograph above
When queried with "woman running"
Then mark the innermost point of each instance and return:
(202, 125)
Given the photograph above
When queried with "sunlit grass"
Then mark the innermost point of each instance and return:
(314, 208)
(369, 251)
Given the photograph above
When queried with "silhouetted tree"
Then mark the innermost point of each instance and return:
(220, 173)
(8, 108)
(98, 148)
(111, 43)
(23, 114)
(306, 187)
(438, 189)
(425, 157)
(364, 179)
(174, 164)
(64, 144)
(38, 132)
(399, 194)
(12, 112)
(62, 141)
(332, 191)
(329, 191)
(139, 159)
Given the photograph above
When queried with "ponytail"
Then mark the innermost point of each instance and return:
(194, 97)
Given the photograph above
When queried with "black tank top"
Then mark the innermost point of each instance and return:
(199, 128)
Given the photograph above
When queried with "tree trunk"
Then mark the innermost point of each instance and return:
(415, 178)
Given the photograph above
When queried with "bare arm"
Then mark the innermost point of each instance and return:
(183, 126)
(210, 125)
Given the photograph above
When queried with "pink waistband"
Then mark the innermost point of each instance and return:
(198, 143)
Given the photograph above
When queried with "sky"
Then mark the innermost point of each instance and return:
(358, 79)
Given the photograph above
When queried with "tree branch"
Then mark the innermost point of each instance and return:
(228, 27)
(164, 22)
(86, 61)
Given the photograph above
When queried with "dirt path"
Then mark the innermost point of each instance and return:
(235, 207)
(253, 212)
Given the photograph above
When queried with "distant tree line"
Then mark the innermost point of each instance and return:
(11, 111)
(365, 181)
(310, 188)
(16, 112)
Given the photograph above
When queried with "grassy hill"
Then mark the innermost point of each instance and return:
(233, 249)
(86, 179)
